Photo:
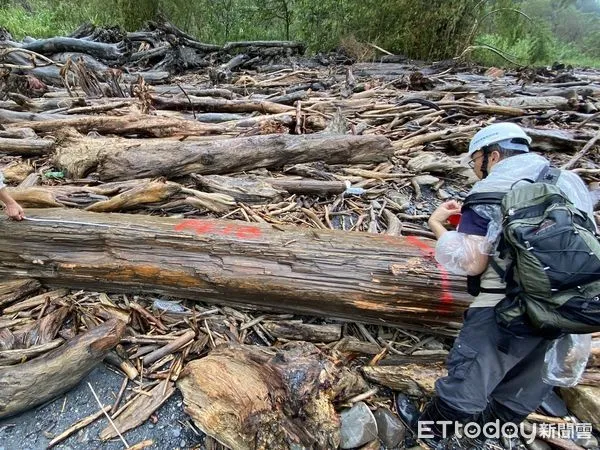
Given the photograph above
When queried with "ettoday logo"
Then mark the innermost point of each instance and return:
(495, 430)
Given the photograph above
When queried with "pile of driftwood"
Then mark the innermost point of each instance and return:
(112, 56)
(267, 192)
(248, 380)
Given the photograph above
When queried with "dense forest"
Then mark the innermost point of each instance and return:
(491, 32)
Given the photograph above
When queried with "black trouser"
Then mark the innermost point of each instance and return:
(479, 373)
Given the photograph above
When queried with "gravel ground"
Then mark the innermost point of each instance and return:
(35, 428)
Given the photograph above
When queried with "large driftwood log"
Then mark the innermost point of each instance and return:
(143, 125)
(126, 159)
(359, 276)
(209, 104)
(101, 198)
(26, 147)
(308, 186)
(29, 384)
(296, 330)
(531, 102)
(193, 90)
(65, 44)
(247, 190)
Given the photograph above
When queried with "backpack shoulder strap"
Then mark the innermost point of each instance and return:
(484, 198)
(548, 175)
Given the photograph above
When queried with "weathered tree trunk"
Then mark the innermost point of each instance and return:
(323, 272)
(123, 160)
(557, 140)
(308, 186)
(142, 125)
(241, 189)
(296, 330)
(96, 198)
(26, 147)
(250, 399)
(29, 384)
(531, 102)
(209, 104)
(193, 90)
(65, 44)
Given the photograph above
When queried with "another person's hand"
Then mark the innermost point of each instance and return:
(445, 210)
(14, 211)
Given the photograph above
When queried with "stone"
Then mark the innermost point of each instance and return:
(389, 427)
(584, 403)
(358, 426)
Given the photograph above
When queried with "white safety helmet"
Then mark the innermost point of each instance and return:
(507, 135)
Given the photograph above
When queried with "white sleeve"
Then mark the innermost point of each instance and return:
(2, 181)
(457, 251)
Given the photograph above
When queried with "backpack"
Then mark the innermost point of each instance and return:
(553, 278)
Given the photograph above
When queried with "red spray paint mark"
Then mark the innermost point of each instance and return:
(223, 229)
(428, 251)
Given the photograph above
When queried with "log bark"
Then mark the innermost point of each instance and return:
(415, 379)
(47, 105)
(103, 198)
(13, 290)
(19, 133)
(32, 383)
(141, 125)
(241, 189)
(549, 102)
(210, 104)
(193, 90)
(65, 44)
(10, 357)
(557, 140)
(323, 272)
(26, 147)
(123, 160)
(308, 186)
(296, 330)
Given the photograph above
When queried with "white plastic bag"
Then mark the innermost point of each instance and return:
(566, 359)
(458, 252)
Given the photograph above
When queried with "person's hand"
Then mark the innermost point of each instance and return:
(445, 210)
(14, 211)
